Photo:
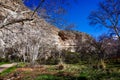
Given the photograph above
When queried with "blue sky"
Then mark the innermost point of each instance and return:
(78, 13)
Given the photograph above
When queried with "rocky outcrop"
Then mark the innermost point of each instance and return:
(33, 36)
(71, 40)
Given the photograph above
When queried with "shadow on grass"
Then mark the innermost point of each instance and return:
(106, 76)
(93, 76)
(59, 76)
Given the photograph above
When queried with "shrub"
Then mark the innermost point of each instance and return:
(71, 57)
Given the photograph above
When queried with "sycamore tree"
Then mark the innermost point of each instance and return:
(107, 15)
(22, 32)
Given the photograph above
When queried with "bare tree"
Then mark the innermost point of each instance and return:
(107, 15)
(21, 35)
(70, 27)
(52, 10)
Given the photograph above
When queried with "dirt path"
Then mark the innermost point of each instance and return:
(6, 66)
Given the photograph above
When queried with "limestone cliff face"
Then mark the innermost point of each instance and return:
(33, 35)
(71, 40)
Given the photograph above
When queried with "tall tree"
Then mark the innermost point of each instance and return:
(107, 15)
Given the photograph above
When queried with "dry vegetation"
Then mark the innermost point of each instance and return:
(49, 53)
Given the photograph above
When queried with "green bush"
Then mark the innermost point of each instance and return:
(52, 61)
(71, 57)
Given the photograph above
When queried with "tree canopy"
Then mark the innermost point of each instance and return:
(107, 15)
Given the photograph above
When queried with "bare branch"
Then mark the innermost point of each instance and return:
(41, 2)
(107, 15)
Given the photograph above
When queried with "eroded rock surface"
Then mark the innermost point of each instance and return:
(32, 36)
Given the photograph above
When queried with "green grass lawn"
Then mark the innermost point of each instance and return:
(88, 75)
(53, 77)
(71, 72)
(1, 63)
(81, 72)
(8, 71)
(11, 69)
